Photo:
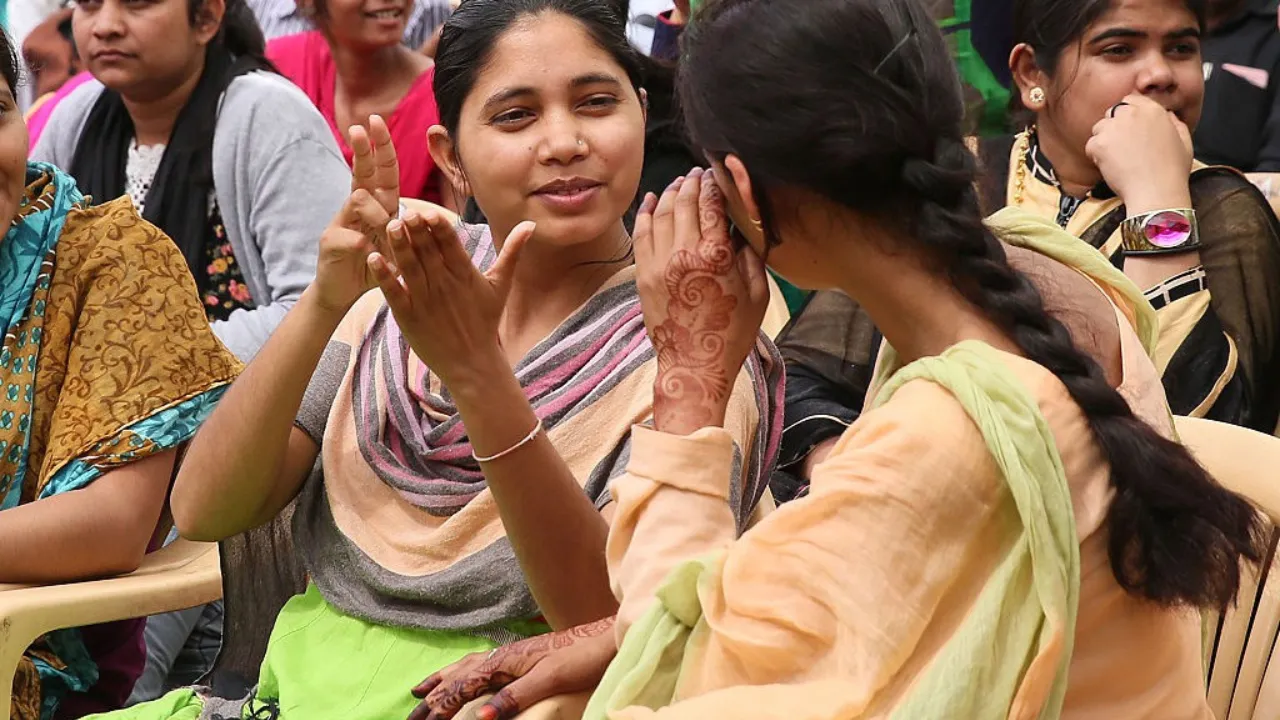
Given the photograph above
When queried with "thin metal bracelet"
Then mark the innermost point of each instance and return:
(527, 439)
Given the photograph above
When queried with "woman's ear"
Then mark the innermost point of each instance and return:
(209, 20)
(644, 105)
(742, 183)
(1032, 82)
(444, 153)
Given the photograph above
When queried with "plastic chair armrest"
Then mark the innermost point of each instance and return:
(183, 575)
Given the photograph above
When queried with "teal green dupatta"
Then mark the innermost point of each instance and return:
(27, 255)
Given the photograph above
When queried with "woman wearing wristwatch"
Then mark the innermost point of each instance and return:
(1112, 91)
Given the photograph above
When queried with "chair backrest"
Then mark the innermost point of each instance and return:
(1243, 665)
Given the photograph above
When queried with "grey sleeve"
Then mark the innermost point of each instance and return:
(61, 134)
(280, 179)
(313, 414)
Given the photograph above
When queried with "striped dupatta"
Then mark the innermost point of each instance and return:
(403, 530)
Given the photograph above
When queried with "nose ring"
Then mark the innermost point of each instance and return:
(580, 142)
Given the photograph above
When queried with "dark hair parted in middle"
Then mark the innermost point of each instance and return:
(1050, 26)
(468, 38)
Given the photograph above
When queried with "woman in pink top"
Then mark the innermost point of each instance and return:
(353, 66)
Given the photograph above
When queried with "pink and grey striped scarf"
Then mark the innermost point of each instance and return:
(590, 381)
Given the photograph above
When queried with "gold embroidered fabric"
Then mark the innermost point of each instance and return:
(124, 364)
(124, 338)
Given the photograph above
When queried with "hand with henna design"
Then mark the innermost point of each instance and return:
(703, 301)
(522, 674)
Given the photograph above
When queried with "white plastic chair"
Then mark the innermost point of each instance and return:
(1244, 668)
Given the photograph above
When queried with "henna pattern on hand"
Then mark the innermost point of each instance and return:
(499, 669)
(592, 629)
(537, 647)
(690, 342)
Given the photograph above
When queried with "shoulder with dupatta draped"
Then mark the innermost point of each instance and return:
(125, 336)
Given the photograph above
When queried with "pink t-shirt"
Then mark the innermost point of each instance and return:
(38, 117)
(306, 60)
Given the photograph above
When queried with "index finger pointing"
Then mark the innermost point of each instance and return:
(387, 166)
(642, 236)
(687, 225)
(362, 161)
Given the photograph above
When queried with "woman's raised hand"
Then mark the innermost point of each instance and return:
(703, 301)
(360, 228)
(446, 308)
(1144, 154)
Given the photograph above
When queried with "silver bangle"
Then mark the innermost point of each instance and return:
(527, 439)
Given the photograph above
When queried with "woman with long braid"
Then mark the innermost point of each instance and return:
(1009, 529)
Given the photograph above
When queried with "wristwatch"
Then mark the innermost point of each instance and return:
(1160, 232)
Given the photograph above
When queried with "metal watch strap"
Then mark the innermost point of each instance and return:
(1134, 232)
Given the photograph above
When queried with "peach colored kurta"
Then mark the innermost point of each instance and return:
(836, 602)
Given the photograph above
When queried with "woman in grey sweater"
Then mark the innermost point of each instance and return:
(228, 158)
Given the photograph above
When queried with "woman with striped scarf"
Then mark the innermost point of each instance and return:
(468, 417)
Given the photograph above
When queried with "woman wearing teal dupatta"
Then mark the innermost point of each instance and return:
(107, 365)
(1008, 531)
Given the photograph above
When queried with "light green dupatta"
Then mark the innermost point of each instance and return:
(1026, 613)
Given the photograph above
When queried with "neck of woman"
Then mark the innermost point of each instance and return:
(919, 311)
(1075, 172)
(363, 74)
(551, 282)
(154, 117)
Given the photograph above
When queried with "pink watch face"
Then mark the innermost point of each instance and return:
(1167, 229)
